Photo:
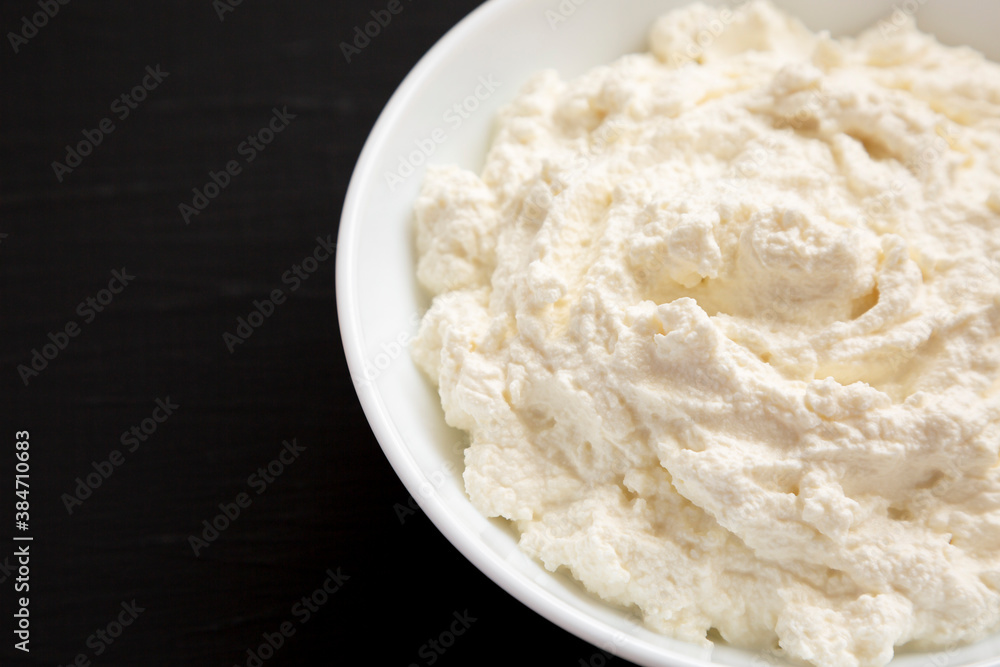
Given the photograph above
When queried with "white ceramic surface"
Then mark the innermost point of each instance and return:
(497, 47)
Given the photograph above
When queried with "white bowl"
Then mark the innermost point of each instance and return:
(379, 301)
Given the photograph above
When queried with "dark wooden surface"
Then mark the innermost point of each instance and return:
(333, 508)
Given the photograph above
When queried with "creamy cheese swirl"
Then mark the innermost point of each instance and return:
(723, 323)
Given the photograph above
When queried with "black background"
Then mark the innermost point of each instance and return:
(339, 504)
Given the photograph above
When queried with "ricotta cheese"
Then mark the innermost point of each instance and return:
(722, 321)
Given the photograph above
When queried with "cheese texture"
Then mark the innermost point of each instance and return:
(723, 323)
